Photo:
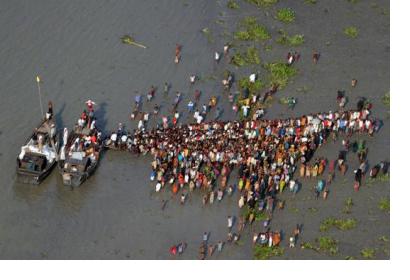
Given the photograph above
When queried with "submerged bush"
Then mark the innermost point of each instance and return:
(252, 87)
(232, 4)
(238, 59)
(323, 244)
(293, 41)
(259, 215)
(264, 253)
(251, 56)
(386, 99)
(384, 204)
(342, 224)
(368, 253)
(285, 15)
(351, 32)
(250, 30)
(262, 3)
(348, 205)
(328, 245)
(280, 73)
(208, 34)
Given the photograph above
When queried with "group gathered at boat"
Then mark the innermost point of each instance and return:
(268, 155)
(81, 149)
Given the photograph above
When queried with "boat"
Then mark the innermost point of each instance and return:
(39, 154)
(80, 155)
(118, 142)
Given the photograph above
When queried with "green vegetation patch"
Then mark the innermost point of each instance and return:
(250, 30)
(384, 204)
(380, 178)
(259, 215)
(262, 3)
(324, 244)
(293, 41)
(264, 252)
(251, 56)
(384, 238)
(286, 15)
(238, 59)
(341, 224)
(310, 2)
(253, 87)
(294, 210)
(351, 32)
(348, 206)
(268, 48)
(308, 245)
(207, 32)
(232, 5)
(386, 99)
(368, 253)
(313, 210)
(280, 73)
(328, 245)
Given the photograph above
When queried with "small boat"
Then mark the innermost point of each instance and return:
(80, 155)
(118, 142)
(39, 155)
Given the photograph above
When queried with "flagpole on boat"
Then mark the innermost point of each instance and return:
(39, 95)
(43, 116)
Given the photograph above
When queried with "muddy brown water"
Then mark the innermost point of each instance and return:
(75, 47)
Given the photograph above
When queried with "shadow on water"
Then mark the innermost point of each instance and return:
(59, 119)
(32, 193)
(100, 114)
(299, 188)
(73, 198)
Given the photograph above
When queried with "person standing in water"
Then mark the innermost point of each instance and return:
(177, 53)
(230, 222)
(49, 114)
(166, 88)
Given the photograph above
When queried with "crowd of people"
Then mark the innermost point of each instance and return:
(202, 155)
(196, 156)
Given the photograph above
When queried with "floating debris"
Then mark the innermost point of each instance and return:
(127, 39)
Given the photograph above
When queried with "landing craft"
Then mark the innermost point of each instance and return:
(80, 155)
(39, 155)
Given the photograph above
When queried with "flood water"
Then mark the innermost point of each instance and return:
(75, 47)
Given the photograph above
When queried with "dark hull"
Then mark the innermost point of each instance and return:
(34, 178)
(75, 179)
(112, 147)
